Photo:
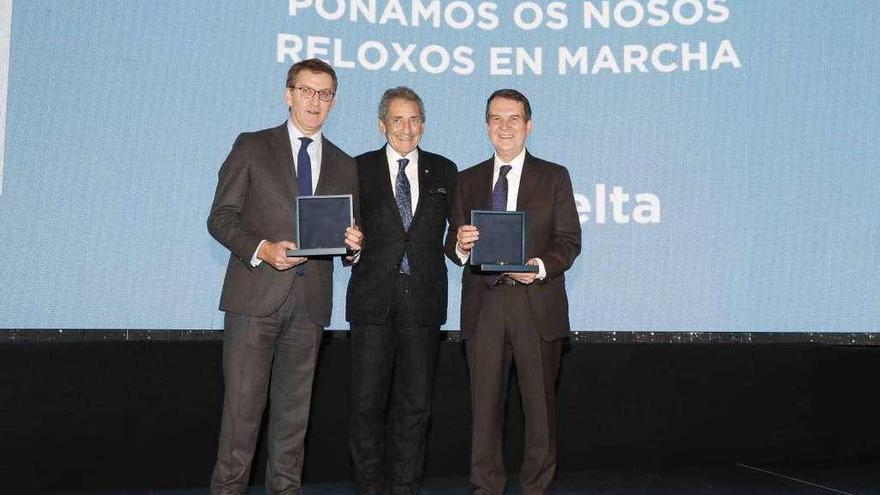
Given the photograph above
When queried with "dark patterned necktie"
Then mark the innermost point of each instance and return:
(404, 204)
(499, 193)
(304, 168)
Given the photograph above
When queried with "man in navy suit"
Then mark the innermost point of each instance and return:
(397, 297)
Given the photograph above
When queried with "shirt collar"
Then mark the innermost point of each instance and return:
(516, 163)
(393, 155)
(295, 134)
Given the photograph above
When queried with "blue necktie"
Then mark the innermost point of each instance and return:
(404, 204)
(303, 178)
(304, 168)
(499, 203)
(499, 193)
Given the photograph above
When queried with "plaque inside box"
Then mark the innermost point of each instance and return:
(320, 225)
(502, 243)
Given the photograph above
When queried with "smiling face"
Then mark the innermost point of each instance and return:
(508, 127)
(309, 114)
(403, 126)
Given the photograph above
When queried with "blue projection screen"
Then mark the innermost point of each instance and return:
(724, 153)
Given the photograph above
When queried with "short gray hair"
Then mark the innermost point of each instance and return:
(403, 93)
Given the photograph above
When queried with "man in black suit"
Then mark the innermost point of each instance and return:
(518, 318)
(397, 297)
(276, 306)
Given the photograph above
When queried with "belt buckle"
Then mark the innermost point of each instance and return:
(509, 282)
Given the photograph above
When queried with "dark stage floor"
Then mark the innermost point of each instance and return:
(854, 479)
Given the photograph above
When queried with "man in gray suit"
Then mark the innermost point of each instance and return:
(276, 306)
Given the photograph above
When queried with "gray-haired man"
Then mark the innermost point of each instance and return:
(397, 297)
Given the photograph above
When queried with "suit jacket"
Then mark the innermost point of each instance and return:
(255, 200)
(553, 233)
(371, 286)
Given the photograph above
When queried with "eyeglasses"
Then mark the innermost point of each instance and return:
(308, 93)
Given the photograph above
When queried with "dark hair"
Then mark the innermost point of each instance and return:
(313, 65)
(510, 94)
(403, 93)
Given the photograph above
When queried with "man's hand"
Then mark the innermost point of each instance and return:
(275, 253)
(525, 277)
(466, 237)
(354, 239)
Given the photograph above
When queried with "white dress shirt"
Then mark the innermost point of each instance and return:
(411, 170)
(314, 151)
(513, 177)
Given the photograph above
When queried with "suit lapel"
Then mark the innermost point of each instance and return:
(485, 185)
(425, 171)
(527, 180)
(283, 157)
(328, 168)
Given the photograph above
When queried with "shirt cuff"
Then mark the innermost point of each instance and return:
(255, 262)
(542, 272)
(462, 256)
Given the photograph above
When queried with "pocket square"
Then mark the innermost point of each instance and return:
(437, 191)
